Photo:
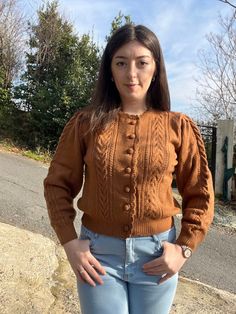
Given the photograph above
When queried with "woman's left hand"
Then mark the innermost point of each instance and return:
(168, 264)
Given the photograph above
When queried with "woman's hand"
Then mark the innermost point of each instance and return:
(168, 264)
(83, 263)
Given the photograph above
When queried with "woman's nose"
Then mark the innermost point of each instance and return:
(131, 70)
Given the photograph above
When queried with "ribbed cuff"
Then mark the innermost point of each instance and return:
(191, 242)
(65, 233)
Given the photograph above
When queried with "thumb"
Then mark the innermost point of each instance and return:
(164, 278)
(165, 244)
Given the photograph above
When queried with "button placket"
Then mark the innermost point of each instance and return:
(130, 150)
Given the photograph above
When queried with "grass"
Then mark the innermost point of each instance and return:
(39, 154)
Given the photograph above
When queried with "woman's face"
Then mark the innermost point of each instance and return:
(133, 68)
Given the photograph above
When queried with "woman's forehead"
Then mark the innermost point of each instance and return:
(133, 49)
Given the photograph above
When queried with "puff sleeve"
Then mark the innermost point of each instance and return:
(64, 180)
(194, 182)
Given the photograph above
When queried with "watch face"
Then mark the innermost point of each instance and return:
(187, 253)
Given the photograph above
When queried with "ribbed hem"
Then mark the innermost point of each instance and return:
(152, 226)
(127, 230)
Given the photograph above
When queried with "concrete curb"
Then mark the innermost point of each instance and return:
(196, 297)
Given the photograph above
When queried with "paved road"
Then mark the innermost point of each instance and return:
(22, 204)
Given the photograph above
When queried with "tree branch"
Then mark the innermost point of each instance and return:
(227, 2)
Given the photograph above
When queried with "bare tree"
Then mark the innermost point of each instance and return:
(228, 2)
(12, 27)
(216, 91)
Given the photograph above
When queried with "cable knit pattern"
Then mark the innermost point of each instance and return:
(103, 161)
(129, 169)
(157, 165)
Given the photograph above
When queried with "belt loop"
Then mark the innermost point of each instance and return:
(89, 233)
(158, 241)
(155, 237)
(161, 245)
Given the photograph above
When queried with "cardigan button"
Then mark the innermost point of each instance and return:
(131, 136)
(130, 151)
(127, 189)
(128, 170)
(126, 207)
(126, 228)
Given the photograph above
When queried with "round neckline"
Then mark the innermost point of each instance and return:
(132, 115)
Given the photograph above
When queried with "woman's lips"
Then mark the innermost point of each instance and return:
(131, 86)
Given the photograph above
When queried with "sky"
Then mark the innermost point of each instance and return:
(180, 25)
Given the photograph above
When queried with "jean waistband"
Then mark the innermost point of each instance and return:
(157, 236)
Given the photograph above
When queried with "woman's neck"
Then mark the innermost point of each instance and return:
(134, 108)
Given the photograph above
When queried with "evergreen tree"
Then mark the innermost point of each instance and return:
(117, 22)
(5, 104)
(61, 71)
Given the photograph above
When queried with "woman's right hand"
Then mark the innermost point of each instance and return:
(83, 263)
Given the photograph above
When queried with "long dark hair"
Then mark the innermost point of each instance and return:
(106, 98)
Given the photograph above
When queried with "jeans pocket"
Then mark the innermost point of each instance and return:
(169, 236)
(86, 234)
(158, 250)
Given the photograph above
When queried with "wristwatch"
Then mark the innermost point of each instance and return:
(187, 252)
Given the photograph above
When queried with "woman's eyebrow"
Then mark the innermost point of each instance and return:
(122, 57)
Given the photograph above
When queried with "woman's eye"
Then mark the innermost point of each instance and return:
(143, 63)
(120, 63)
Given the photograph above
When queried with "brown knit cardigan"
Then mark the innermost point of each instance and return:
(129, 168)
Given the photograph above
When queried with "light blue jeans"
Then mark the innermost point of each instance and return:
(126, 288)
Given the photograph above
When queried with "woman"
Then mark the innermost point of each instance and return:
(129, 144)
